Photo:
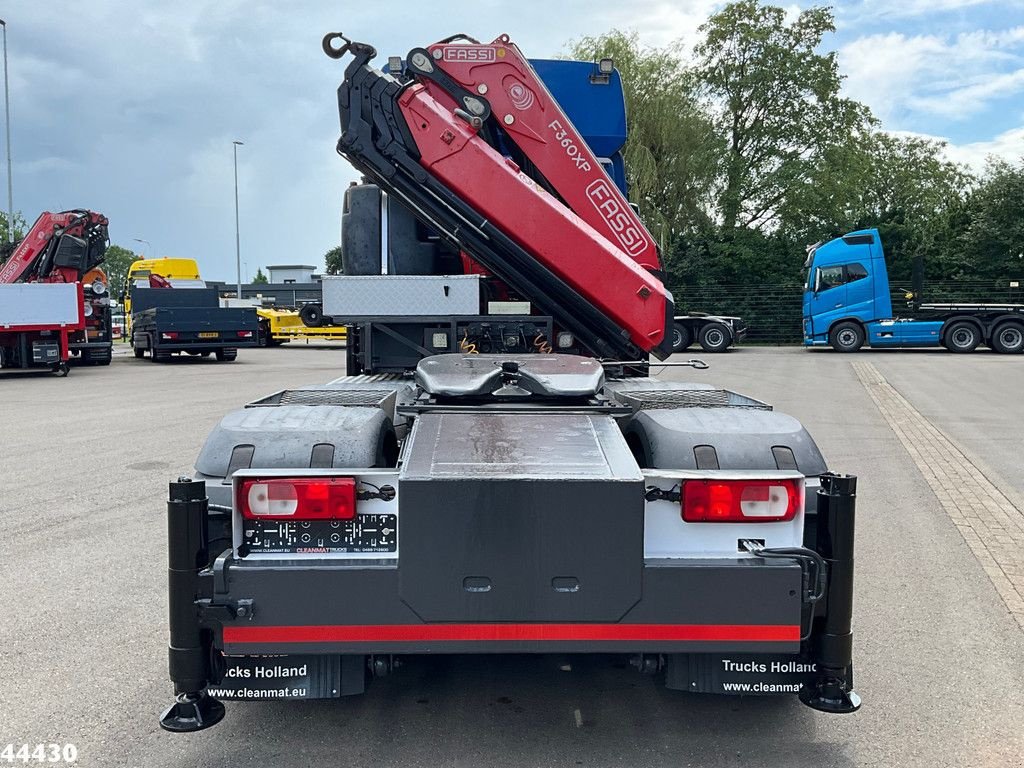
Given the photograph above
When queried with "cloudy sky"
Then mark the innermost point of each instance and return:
(129, 107)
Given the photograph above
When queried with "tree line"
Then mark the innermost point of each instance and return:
(744, 151)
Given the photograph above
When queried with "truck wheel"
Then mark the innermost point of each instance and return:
(962, 337)
(311, 315)
(681, 337)
(160, 357)
(265, 339)
(139, 353)
(715, 337)
(226, 355)
(1008, 338)
(846, 337)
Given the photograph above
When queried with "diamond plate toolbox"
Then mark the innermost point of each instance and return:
(355, 296)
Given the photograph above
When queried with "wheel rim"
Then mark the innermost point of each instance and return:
(1011, 338)
(963, 337)
(714, 337)
(847, 338)
(677, 338)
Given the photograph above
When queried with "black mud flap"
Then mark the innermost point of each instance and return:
(738, 674)
(263, 678)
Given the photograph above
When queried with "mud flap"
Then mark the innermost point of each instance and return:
(255, 678)
(738, 674)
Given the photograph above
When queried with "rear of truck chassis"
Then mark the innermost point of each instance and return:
(508, 530)
(511, 502)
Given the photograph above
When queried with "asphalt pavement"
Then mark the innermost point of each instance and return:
(85, 463)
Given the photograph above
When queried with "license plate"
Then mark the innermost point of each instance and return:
(208, 335)
(377, 532)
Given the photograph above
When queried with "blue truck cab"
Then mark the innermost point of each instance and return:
(847, 304)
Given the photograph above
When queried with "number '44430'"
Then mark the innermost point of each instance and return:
(38, 753)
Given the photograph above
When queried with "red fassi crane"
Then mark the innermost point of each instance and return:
(498, 149)
(529, 114)
(59, 248)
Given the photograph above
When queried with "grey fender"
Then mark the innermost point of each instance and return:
(731, 438)
(296, 436)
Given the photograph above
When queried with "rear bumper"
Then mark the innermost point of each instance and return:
(692, 606)
(193, 345)
(700, 620)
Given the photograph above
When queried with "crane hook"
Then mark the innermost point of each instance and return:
(330, 49)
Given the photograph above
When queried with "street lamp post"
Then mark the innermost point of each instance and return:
(238, 239)
(140, 240)
(7, 112)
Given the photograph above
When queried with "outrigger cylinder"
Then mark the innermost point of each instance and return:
(832, 690)
(189, 652)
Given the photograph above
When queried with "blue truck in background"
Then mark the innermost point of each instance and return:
(847, 304)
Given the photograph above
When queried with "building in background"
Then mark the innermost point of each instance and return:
(292, 273)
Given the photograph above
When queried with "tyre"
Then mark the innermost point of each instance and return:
(139, 353)
(681, 338)
(160, 357)
(715, 337)
(962, 336)
(226, 355)
(1008, 338)
(312, 315)
(846, 337)
(265, 338)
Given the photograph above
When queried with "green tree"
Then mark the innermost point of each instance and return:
(116, 261)
(910, 191)
(988, 230)
(20, 228)
(260, 278)
(672, 151)
(332, 259)
(776, 102)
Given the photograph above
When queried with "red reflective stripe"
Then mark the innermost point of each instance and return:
(404, 633)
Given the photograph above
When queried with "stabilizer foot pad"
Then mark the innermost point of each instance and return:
(830, 696)
(192, 712)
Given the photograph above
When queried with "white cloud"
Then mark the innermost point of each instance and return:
(658, 23)
(874, 10)
(1008, 145)
(954, 77)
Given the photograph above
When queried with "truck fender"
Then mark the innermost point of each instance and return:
(721, 438)
(856, 320)
(294, 436)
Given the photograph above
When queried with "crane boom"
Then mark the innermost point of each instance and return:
(436, 147)
(533, 120)
(59, 248)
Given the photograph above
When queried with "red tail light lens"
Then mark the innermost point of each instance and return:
(313, 498)
(741, 501)
(244, 334)
(169, 335)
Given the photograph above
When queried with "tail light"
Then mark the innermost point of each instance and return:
(244, 334)
(169, 335)
(314, 498)
(741, 501)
